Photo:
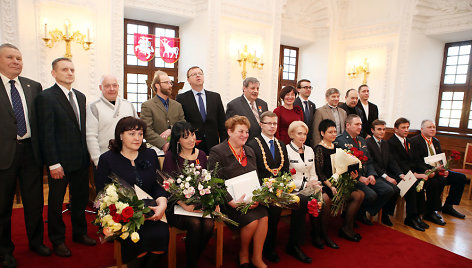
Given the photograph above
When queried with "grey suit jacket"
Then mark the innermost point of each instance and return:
(9, 129)
(322, 113)
(158, 119)
(239, 106)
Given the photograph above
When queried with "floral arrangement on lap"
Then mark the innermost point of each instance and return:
(440, 170)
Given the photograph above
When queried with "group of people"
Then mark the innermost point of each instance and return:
(55, 128)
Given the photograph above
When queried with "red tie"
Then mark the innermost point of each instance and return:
(406, 146)
(355, 141)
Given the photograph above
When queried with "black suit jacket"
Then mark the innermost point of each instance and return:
(8, 130)
(373, 114)
(383, 161)
(403, 158)
(262, 172)
(213, 129)
(420, 151)
(308, 121)
(239, 106)
(62, 141)
(345, 141)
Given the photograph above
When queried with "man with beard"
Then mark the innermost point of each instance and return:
(160, 113)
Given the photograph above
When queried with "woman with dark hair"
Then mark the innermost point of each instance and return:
(199, 230)
(287, 113)
(130, 160)
(234, 158)
(323, 152)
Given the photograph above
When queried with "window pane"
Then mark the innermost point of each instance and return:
(138, 107)
(293, 53)
(131, 28)
(447, 95)
(130, 49)
(293, 61)
(443, 122)
(142, 88)
(464, 50)
(143, 29)
(292, 68)
(285, 75)
(457, 105)
(458, 95)
(461, 69)
(142, 97)
(460, 79)
(130, 39)
(142, 78)
(159, 62)
(454, 122)
(451, 69)
(131, 60)
(445, 113)
(157, 44)
(286, 52)
(470, 124)
(169, 65)
(170, 33)
(132, 88)
(142, 63)
(456, 114)
(160, 32)
(449, 79)
(291, 76)
(451, 60)
(453, 50)
(446, 104)
(464, 59)
(132, 97)
(286, 60)
(132, 78)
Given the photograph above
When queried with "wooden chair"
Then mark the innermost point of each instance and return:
(379, 217)
(117, 254)
(467, 171)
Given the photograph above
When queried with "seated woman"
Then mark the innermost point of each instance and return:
(199, 230)
(234, 158)
(323, 152)
(287, 113)
(302, 159)
(131, 161)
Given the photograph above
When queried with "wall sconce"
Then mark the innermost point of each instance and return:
(361, 69)
(245, 56)
(58, 35)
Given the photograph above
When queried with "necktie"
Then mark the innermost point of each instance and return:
(254, 111)
(272, 148)
(336, 119)
(307, 112)
(406, 145)
(380, 145)
(355, 142)
(201, 106)
(74, 107)
(431, 152)
(18, 110)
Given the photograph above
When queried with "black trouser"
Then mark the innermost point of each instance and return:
(389, 207)
(28, 172)
(271, 239)
(434, 187)
(297, 223)
(79, 192)
(376, 196)
(457, 182)
(415, 201)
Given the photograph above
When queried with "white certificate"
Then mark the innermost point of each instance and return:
(243, 184)
(436, 160)
(181, 211)
(406, 184)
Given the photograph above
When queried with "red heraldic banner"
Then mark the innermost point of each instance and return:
(144, 46)
(169, 49)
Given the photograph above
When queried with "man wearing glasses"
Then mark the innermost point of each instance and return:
(204, 110)
(304, 91)
(161, 112)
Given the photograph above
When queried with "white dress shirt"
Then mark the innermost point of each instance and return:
(203, 97)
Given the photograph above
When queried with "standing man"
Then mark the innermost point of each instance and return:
(304, 91)
(204, 110)
(329, 111)
(102, 116)
(248, 105)
(61, 121)
(161, 112)
(20, 160)
(370, 110)
(425, 144)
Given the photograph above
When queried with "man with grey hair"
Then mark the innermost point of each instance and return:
(426, 144)
(102, 116)
(329, 111)
(248, 105)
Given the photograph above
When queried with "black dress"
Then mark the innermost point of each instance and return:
(154, 235)
(323, 166)
(228, 168)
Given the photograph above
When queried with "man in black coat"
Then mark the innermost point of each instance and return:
(370, 110)
(204, 110)
(248, 105)
(350, 106)
(385, 166)
(20, 160)
(61, 122)
(425, 144)
(309, 108)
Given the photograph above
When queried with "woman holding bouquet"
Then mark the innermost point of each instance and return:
(302, 161)
(234, 158)
(287, 113)
(199, 229)
(323, 152)
(130, 160)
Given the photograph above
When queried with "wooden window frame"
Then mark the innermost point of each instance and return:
(283, 82)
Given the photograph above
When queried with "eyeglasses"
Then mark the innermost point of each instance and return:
(170, 83)
(269, 123)
(196, 74)
(307, 87)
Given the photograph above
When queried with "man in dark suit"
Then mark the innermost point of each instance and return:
(20, 155)
(272, 158)
(369, 110)
(61, 120)
(204, 110)
(425, 144)
(385, 166)
(248, 105)
(304, 91)
(400, 149)
(350, 106)
(377, 191)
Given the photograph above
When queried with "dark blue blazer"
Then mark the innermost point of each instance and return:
(345, 141)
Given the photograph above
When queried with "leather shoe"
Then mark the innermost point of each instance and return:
(434, 218)
(316, 242)
(8, 261)
(414, 224)
(354, 238)
(386, 220)
(41, 250)
(358, 236)
(421, 223)
(297, 252)
(271, 256)
(62, 250)
(84, 239)
(363, 219)
(451, 211)
(330, 243)
(437, 214)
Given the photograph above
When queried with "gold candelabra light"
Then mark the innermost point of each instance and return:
(245, 57)
(361, 69)
(57, 36)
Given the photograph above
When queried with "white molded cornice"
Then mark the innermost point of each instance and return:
(8, 21)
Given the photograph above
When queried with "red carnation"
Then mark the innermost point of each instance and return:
(455, 155)
(313, 207)
(197, 142)
(112, 209)
(127, 212)
(117, 218)
(293, 171)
